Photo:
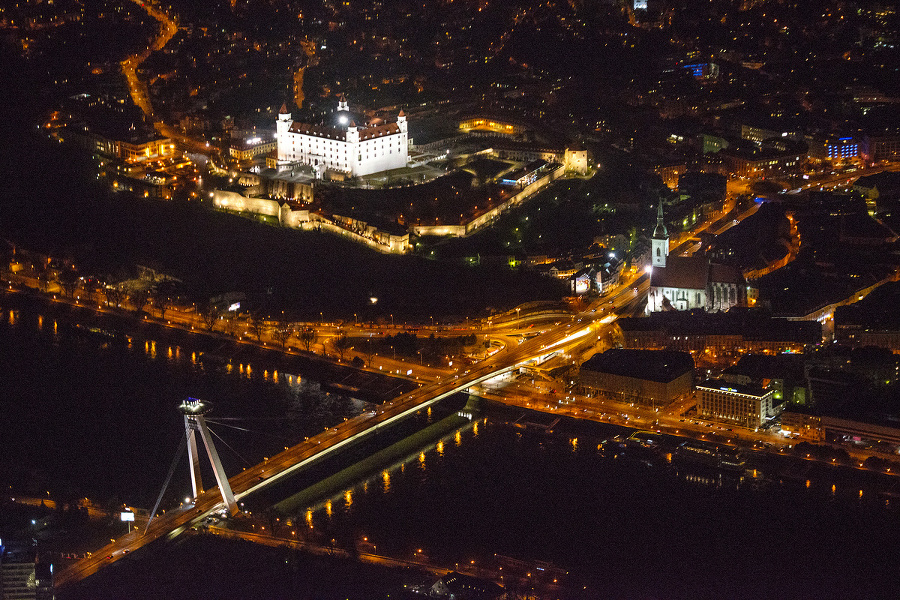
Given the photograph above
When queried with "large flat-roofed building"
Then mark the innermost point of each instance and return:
(745, 405)
(650, 377)
(342, 146)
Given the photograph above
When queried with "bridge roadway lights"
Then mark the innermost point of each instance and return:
(458, 385)
(193, 411)
(462, 385)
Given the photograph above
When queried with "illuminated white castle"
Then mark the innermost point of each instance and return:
(342, 146)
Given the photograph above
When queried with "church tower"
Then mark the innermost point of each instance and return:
(660, 240)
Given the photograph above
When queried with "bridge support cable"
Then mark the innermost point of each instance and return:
(245, 461)
(254, 431)
(181, 448)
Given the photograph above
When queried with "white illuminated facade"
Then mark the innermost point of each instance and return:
(342, 146)
(739, 404)
(659, 243)
(689, 282)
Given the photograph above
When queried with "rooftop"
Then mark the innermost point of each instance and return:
(763, 366)
(653, 365)
(687, 272)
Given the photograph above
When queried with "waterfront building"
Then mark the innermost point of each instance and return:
(342, 146)
(650, 377)
(882, 434)
(802, 425)
(745, 405)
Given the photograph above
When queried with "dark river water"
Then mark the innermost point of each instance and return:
(82, 414)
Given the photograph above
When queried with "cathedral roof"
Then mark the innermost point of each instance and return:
(693, 273)
(725, 274)
(684, 272)
(284, 109)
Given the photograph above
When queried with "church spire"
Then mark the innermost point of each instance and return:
(660, 233)
(659, 243)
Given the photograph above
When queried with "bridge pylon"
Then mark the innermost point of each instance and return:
(194, 423)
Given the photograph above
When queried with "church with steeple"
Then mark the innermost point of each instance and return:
(344, 145)
(688, 282)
